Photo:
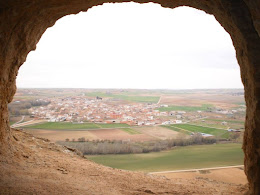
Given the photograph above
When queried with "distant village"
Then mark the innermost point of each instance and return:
(106, 110)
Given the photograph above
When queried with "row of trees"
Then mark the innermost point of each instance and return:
(120, 147)
(21, 107)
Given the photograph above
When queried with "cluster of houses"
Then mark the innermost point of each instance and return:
(98, 110)
(104, 110)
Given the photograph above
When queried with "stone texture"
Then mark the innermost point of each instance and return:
(22, 23)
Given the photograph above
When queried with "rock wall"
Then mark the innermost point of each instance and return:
(22, 23)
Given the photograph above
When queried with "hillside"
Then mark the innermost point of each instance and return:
(40, 167)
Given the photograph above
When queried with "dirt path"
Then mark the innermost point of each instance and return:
(202, 169)
(159, 100)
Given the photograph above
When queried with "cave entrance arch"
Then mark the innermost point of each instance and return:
(23, 23)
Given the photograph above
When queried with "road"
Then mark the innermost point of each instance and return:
(18, 121)
(159, 100)
(27, 123)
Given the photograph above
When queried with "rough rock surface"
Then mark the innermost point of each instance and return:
(22, 23)
(41, 167)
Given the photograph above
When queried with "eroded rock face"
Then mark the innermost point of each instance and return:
(22, 23)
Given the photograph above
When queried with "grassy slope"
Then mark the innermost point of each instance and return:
(188, 157)
(67, 126)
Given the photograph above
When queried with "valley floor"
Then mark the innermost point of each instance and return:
(37, 166)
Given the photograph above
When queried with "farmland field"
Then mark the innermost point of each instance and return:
(174, 128)
(185, 108)
(71, 126)
(229, 121)
(112, 125)
(189, 157)
(118, 134)
(217, 123)
(208, 130)
(123, 133)
(160, 132)
(130, 131)
(132, 98)
(58, 135)
(196, 98)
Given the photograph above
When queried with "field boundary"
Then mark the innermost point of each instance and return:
(192, 170)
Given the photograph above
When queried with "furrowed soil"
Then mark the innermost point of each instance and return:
(160, 132)
(37, 166)
(59, 135)
(117, 134)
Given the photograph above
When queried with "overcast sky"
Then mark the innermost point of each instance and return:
(130, 45)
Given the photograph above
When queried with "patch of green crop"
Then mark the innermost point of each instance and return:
(204, 107)
(200, 129)
(189, 157)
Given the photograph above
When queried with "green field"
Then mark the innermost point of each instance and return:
(71, 126)
(131, 98)
(203, 107)
(189, 157)
(111, 125)
(229, 121)
(130, 131)
(217, 124)
(209, 130)
(208, 124)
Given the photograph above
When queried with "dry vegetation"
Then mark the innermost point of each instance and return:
(120, 147)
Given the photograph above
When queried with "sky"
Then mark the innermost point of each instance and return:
(130, 45)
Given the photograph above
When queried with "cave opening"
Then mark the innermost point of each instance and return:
(111, 51)
(238, 18)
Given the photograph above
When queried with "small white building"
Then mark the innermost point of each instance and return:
(166, 122)
(178, 121)
(164, 105)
